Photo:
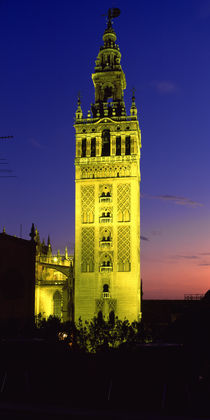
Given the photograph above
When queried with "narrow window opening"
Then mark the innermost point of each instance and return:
(107, 93)
(118, 146)
(105, 143)
(128, 145)
(93, 147)
(105, 288)
(83, 147)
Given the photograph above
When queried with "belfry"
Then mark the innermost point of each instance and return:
(107, 201)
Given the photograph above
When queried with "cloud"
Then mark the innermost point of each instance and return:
(186, 257)
(36, 144)
(144, 238)
(204, 264)
(196, 258)
(164, 87)
(182, 201)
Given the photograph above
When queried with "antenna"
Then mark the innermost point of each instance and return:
(4, 162)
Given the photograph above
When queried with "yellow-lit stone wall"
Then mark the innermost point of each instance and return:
(51, 283)
(107, 205)
(120, 175)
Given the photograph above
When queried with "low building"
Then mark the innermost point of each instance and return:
(17, 280)
(34, 281)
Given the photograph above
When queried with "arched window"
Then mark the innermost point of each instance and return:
(91, 217)
(91, 266)
(84, 267)
(108, 89)
(93, 147)
(126, 266)
(105, 143)
(120, 266)
(119, 216)
(126, 216)
(57, 304)
(105, 194)
(105, 288)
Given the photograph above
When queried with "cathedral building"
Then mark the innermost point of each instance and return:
(54, 282)
(107, 203)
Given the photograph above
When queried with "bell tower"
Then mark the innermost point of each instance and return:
(107, 202)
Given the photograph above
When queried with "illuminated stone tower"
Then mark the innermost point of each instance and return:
(107, 238)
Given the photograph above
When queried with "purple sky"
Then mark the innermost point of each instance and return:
(48, 52)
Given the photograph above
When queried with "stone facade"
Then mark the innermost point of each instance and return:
(107, 174)
(54, 282)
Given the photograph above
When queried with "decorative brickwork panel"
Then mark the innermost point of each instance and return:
(123, 244)
(123, 202)
(88, 197)
(105, 171)
(113, 305)
(123, 197)
(99, 305)
(88, 203)
(88, 242)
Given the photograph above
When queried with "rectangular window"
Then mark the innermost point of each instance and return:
(105, 143)
(83, 147)
(93, 147)
(128, 145)
(118, 146)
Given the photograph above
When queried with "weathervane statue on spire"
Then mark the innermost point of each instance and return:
(112, 13)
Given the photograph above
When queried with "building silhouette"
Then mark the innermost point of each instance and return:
(17, 281)
(107, 175)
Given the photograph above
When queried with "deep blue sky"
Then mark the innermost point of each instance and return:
(48, 51)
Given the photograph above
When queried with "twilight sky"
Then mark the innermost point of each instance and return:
(48, 51)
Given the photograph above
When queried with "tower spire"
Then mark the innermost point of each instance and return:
(133, 109)
(108, 77)
(79, 109)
